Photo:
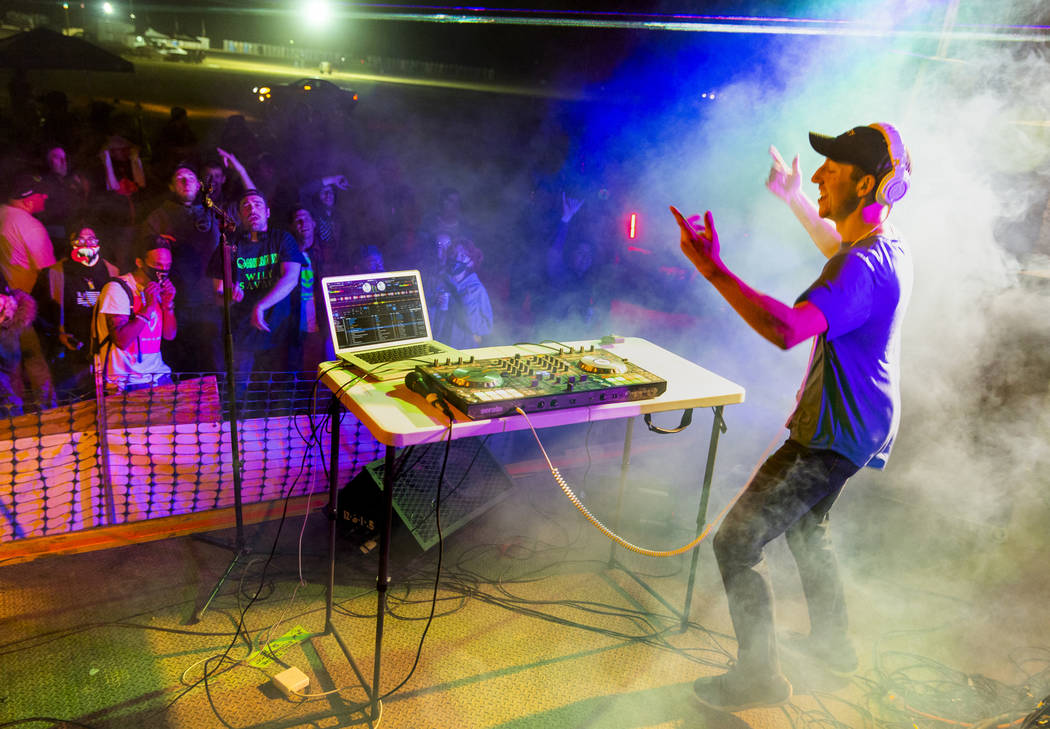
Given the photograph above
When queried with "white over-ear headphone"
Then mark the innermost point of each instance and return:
(894, 183)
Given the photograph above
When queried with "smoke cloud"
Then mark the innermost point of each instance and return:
(975, 375)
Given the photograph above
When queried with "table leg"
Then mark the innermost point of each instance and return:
(334, 411)
(625, 464)
(717, 427)
(383, 579)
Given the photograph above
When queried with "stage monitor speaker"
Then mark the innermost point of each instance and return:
(474, 482)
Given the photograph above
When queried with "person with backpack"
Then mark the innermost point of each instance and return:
(134, 312)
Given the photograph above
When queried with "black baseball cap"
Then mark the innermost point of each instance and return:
(864, 147)
(152, 241)
(26, 184)
(184, 164)
(250, 192)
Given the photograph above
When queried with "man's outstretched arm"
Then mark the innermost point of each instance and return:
(783, 325)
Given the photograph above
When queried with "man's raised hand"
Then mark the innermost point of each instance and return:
(569, 207)
(699, 241)
(227, 158)
(784, 181)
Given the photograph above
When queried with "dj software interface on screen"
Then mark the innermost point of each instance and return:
(374, 311)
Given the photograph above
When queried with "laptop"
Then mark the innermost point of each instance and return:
(379, 323)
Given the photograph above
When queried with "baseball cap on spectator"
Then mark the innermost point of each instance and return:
(250, 192)
(26, 184)
(184, 164)
(153, 241)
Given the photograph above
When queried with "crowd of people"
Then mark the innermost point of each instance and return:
(111, 257)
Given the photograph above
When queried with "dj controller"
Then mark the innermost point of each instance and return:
(568, 378)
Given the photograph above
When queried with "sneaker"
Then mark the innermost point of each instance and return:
(735, 692)
(838, 657)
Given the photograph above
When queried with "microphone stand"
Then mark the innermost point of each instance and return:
(228, 224)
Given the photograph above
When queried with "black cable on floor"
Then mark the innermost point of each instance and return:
(437, 575)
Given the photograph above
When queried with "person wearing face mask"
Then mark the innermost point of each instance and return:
(74, 285)
(134, 313)
(462, 314)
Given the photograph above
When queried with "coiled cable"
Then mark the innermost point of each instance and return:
(609, 532)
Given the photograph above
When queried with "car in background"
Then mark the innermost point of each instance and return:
(316, 93)
(177, 54)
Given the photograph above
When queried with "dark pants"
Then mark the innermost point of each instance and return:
(71, 372)
(199, 345)
(791, 493)
(35, 368)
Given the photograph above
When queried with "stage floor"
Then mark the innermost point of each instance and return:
(532, 628)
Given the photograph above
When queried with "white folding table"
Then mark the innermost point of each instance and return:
(398, 417)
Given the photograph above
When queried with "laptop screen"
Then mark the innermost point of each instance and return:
(376, 310)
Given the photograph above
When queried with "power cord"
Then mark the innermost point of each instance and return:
(437, 571)
(608, 532)
(437, 583)
(240, 627)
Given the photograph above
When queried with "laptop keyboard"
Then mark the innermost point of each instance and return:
(380, 356)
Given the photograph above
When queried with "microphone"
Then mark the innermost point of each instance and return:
(206, 195)
(226, 221)
(420, 385)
